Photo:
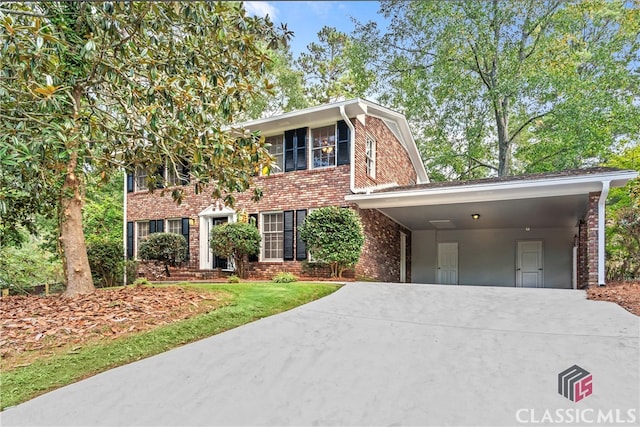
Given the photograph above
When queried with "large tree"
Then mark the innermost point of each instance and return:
(507, 86)
(91, 87)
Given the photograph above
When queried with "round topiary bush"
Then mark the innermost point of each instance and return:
(168, 249)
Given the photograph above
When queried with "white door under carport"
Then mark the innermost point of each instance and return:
(529, 270)
(448, 263)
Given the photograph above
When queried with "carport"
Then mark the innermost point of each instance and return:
(539, 230)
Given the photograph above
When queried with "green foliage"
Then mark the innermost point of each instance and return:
(508, 87)
(141, 281)
(107, 262)
(88, 88)
(284, 277)
(168, 249)
(334, 236)
(26, 266)
(237, 241)
(233, 279)
(102, 213)
(333, 68)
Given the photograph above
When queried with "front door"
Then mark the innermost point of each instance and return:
(219, 262)
(448, 263)
(529, 264)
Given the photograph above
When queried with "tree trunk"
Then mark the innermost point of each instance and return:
(74, 249)
(504, 145)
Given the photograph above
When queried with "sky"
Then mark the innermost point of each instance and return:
(306, 18)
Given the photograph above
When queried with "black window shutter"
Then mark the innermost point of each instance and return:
(185, 232)
(159, 225)
(301, 148)
(344, 139)
(129, 240)
(301, 247)
(288, 236)
(185, 177)
(289, 151)
(129, 182)
(152, 226)
(160, 177)
(253, 219)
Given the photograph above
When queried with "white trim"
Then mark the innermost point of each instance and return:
(261, 224)
(509, 190)
(216, 210)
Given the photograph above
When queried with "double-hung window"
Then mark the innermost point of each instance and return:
(174, 226)
(277, 152)
(141, 179)
(370, 154)
(272, 236)
(142, 232)
(324, 146)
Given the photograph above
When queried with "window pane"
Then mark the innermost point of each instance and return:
(277, 151)
(143, 232)
(324, 146)
(272, 236)
(174, 226)
(141, 179)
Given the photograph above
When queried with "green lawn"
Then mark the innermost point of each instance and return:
(247, 302)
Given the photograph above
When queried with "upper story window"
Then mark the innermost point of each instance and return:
(141, 179)
(370, 155)
(277, 151)
(324, 146)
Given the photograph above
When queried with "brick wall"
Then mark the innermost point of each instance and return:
(583, 272)
(393, 164)
(306, 189)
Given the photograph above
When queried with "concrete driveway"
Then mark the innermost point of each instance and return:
(379, 354)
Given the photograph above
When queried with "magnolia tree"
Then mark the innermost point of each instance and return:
(94, 87)
(334, 237)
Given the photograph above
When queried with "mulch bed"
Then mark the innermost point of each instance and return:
(38, 323)
(625, 294)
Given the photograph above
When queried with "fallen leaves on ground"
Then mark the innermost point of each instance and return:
(39, 323)
(626, 294)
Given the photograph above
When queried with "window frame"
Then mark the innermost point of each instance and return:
(263, 234)
(370, 155)
(279, 167)
(138, 237)
(169, 221)
(333, 145)
(141, 179)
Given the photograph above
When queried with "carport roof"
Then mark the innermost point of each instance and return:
(554, 199)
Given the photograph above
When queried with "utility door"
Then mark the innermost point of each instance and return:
(529, 269)
(447, 263)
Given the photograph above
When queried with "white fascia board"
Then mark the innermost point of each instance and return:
(513, 190)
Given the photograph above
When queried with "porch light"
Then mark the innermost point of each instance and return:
(475, 216)
(192, 222)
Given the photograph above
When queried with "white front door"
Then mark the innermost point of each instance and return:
(448, 263)
(529, 264)
(403, 257)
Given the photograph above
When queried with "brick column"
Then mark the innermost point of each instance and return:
(592, 239)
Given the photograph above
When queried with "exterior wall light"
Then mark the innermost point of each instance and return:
(475, 216)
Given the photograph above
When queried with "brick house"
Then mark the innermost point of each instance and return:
(543, 230)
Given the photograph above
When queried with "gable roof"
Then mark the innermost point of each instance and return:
(396, 122)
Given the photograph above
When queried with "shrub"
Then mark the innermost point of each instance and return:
(334, 237)
(141, 281)
(106, 260)
(284, 277)
(233, 279)
(169, 249)
(22, 268)
(237, 241)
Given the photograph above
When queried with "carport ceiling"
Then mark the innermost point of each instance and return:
(545, 212)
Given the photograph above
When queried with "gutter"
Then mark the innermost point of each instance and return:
(352, 143)
(601, 234)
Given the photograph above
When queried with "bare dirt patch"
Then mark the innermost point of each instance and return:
(34, 325)
(625, 294)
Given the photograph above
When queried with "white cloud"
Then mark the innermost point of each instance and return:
(261, 8)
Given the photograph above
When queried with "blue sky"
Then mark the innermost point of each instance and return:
(306, 18)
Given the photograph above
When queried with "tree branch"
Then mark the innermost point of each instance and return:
(22, 13)
(526, 123)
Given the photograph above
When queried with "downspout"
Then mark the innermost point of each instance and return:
(124, 227)
(601, 235)
(352, 143)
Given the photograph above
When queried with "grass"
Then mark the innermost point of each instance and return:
(247, 302)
